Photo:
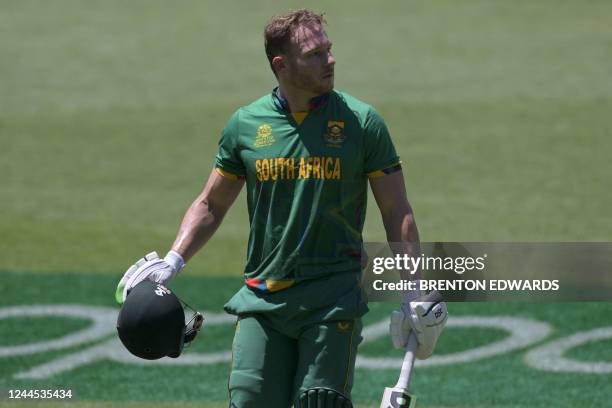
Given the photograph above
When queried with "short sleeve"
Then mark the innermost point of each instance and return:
(380, 153)
(228, 156)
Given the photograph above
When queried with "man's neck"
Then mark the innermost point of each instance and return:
(297, 100)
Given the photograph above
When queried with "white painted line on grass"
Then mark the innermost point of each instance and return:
(103, 319)
(522, 333)
(549, 357)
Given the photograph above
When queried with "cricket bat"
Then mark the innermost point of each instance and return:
(400, 396)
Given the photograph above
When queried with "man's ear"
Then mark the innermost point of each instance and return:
(279, 63)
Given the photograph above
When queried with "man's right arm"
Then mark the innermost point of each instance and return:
(206, 213)
(199, 224)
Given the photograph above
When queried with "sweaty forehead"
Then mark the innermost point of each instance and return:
(309, 37)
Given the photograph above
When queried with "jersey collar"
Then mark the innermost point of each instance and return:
(282, 103)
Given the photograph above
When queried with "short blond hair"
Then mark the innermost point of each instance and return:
(280, 29)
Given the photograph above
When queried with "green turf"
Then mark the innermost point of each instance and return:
(501, 381)
(24, 330)
(500, 113)
(471, 338)
(109, 118)
(600, 351)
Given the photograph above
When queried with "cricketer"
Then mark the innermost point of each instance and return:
(306, 153)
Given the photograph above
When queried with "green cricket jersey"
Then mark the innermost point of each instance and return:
(306, 184)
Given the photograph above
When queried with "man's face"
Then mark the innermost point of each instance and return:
(310, 62)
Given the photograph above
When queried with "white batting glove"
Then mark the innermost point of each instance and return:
(151, 267)
(426, 318)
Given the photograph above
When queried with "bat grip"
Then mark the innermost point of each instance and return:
(405, 374)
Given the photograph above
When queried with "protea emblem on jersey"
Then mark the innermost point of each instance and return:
(335, 132)
(264, 136)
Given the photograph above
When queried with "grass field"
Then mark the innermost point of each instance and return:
(109, 118)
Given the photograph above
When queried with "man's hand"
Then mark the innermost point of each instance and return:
(151, 267)
(426, 317)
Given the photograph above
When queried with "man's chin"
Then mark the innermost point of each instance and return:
(326, 86)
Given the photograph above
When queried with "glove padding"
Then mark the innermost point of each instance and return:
(427, 319)
(151, 267)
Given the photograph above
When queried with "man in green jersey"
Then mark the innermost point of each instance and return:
(306, 153)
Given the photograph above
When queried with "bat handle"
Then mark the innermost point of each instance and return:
(405, 374)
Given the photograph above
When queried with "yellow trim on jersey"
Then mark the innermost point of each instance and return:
(376, 174)
(381, 172)
(227, 175)
(299, 117)
(276, 285)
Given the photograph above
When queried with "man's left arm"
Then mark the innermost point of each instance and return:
(427, 319)
(398, 218)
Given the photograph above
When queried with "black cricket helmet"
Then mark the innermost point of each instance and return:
(154, 323)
